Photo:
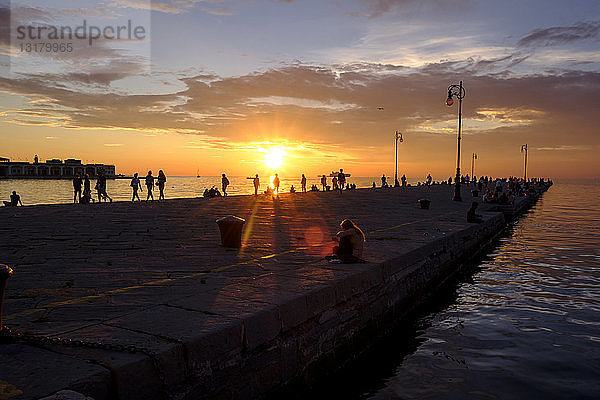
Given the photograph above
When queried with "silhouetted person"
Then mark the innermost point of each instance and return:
(351, 242)
(161, 180)
(77, 183)
(256, 183)
(324, 182)
(472, 215)
(428, 180)
(403, 179)
(87, 190)
(224, 184)
(383, 181)
(15, 200)
(101, 188)
(135, 185)
(292, 189)
(334, 183)
(276, 183)
(341, 179)
(149, 185)
(303, 183)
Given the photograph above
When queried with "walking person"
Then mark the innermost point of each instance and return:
(162, 179)
(135, 185)
(101, 187)
(303, 182)
(77, 183)
(149, 185)
(224, 184)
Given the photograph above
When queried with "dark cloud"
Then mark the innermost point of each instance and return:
(561, 35)
(335, 106)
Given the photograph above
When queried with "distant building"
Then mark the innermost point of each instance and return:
(53, 168)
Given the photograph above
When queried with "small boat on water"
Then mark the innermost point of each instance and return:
(198, 173)
(334, 173)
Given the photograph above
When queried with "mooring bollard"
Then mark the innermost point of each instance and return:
(231, 231)
(424, 203)
(5, 273)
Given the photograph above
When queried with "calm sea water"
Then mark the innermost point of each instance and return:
(522, 324)
(37, 191)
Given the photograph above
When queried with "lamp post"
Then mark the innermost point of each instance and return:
(459, 92)
(398, 136)
(524, 149)
(473, 165)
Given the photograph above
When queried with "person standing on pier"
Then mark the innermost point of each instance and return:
(341, 179)
(224, 184)
(303, 182)
(403, 179)
(77, 182)
(256, 183)
(135, 185)
(87, 190)
(149, 185)
(334, 183)
(162, 179)
(383, 181)
(276, 184)
(324, 182)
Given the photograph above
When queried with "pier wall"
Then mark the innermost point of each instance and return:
(305, 335)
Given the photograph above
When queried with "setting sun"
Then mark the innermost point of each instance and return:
(274, 157)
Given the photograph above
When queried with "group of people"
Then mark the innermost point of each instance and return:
(149, 181)
(82, 192)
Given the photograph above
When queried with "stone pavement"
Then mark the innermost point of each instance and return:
(149, 292)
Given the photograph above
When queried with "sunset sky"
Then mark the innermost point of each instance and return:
(218, 85)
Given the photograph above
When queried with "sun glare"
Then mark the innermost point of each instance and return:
(274, 158)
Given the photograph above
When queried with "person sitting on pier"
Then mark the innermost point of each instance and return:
(351, 242)
(212, 193)
(15, 200)
(472, 216)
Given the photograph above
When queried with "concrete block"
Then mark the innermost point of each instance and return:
(26, 368)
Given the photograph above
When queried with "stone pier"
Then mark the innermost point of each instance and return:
(139, 301)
